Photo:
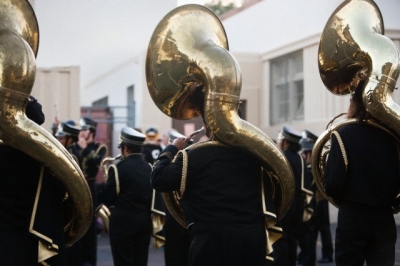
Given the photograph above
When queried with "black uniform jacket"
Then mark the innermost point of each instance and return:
(372, 176)
(294, 216)
(75, 151)
(133, 183)
(91, 157)
(222, 185)
(31, 207)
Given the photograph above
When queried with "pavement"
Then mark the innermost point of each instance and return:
(156, 257)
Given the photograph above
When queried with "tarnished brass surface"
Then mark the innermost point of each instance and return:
(18, 46)
(353, 49)
(189, 48)
(18, 17)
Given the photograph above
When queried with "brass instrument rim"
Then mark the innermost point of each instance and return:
(334, 61)
(191, 12)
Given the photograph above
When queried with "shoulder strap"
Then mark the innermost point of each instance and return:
(183, 153)
(341, 145)
(308, 192)
(117, 187)
(158, 220)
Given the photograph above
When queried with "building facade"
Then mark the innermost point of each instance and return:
(276, 45)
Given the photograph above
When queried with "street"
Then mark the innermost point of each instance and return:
(156, 257)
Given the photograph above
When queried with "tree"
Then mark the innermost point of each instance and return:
(219, 8)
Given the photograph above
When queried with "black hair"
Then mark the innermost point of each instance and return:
(293, 146)
(74, 138)
(93, 131)
(357, 108)
(132, 148)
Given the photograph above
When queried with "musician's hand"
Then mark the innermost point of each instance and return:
(180, 143)
(82, 141)
(56, 121)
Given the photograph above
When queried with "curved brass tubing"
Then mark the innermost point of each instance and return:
(189, 48)
(353, 49)
(18, 46)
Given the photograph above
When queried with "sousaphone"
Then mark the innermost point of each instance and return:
(188, 59)
(19, 39)
(353, 49)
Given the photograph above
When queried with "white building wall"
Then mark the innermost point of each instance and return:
(265, 99)
(57, 90)
(150, 115)
(114, 84)
(251, 70)
(320, 105)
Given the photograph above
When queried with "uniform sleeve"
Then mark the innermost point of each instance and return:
(98, 156)
(166, 176)
(335, 176)
(108, 193)
(92, 156)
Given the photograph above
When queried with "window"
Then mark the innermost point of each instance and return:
(287, 93)
(101, 102)
(243, 109)
(130, 97)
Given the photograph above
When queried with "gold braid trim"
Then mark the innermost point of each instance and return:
(46, 249)
(308, 211)
(167, 154)
(158, 222)
(117, 187)
(183, 153)
(342, 149)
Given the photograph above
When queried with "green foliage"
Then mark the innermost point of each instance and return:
(219, 8)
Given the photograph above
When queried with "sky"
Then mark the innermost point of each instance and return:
(184, 2)
(96, 34)
(202, 2)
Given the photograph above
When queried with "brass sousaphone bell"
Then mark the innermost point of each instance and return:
(353, 49)
(188, 58)
(19, 39)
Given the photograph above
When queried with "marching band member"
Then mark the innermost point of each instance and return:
(366, 189)
(128, 190)
(226, 223)
(91, 153)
